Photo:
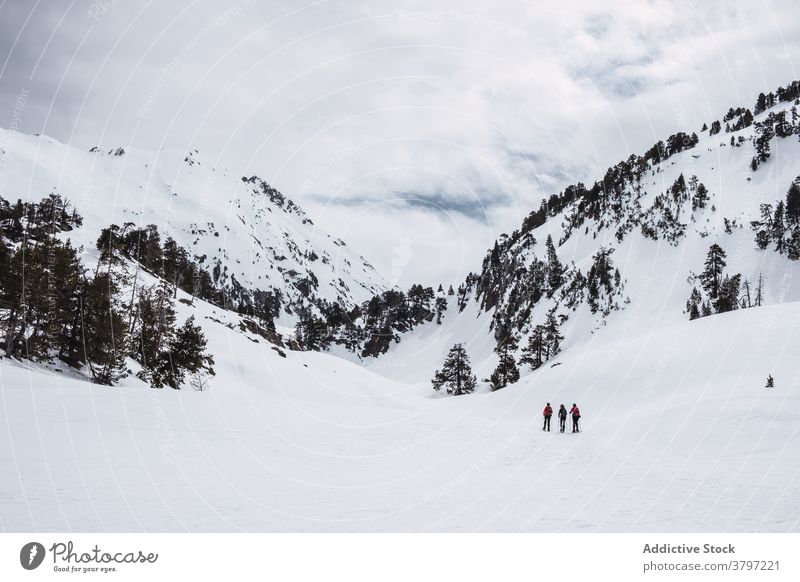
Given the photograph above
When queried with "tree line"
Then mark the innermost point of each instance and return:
(369, 329)
(720, 292)
(54, 308)
(781, 225)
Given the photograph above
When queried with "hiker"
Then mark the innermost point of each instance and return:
(576, 416)
(548, 412)
(562, 418)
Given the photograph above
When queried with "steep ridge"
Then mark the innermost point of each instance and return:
(246, 234)
(623, 256)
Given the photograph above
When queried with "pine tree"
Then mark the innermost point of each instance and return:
(694, 303)
(441, 307)
(506, 371)
(763, 136)
(761, 104)
(711, 278)
(728, 299)
(534, 353)
(5, 268)
(602, 277)
(185, 354)
(173, 264)
(311, 332)
(462, 297)
(747, 299)
(555, 271)
(456, 373)
(152, 328)
(778, 227)
(770, 381)
(793, 245)
(552, 336)
(38, 298)
(103, 329)
(793, 204)
(700, 197)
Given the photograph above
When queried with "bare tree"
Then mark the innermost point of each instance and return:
(200, 381)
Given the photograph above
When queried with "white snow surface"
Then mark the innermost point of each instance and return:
(679, 431)
(679, 434)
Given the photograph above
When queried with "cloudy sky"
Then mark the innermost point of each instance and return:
(416, 131)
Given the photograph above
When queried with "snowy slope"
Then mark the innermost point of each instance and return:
(679, 435)
(680, 432)
(655, 273)
(260, 238)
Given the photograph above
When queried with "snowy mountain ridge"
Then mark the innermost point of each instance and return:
(629, 252)
(241, 229)
(679, 430)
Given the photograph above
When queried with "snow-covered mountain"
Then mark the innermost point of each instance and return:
(628, 251)
(679, 430)
(679, 434)
(251, 234)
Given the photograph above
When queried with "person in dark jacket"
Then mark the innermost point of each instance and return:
(576, 416)
(548, 412)
(562, 418)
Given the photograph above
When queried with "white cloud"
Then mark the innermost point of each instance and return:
(475, 111)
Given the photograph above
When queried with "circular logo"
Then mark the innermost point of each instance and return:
(31, 555)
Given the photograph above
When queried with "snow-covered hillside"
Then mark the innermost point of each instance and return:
(680, 432)
(259, 238)
(679, 435)
(658, 268)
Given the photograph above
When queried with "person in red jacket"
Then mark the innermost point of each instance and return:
(576, 416)
(548, 412)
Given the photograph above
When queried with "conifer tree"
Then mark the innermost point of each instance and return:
(728, 298)
(103, 329)
(534, 353)
(778, 227)
(311, 332)
(555, 271)
(700, 197)
(694, 303)
(552, 336)
(153, 327)
(441, 307)
(764, 134)
(761, 104)
(455, 374)
(793, 245)
(747, 300)
(506, 371)
(793, 204)
(711, 278)
(185, 354)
